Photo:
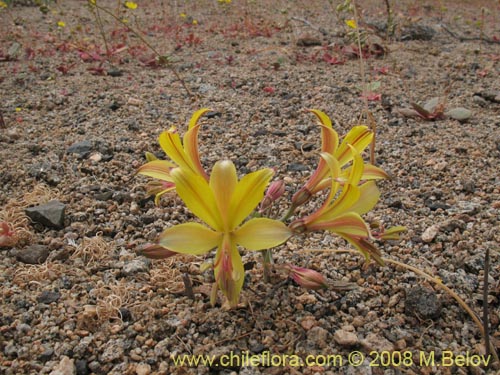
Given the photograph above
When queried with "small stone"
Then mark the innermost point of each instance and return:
(82, 367)
(307, 298)
(423, 303)
(82, 149)
(318, 336)
(430, 233)
(135, 102)
(48, 297)
(113, 350)
(479, 101)
(136, 265)
(345, 338)
(308, 322)
(113, 72)
(34, 254)
(65, 367)
(297, 167)
(96, 157)
(213, 114)
(308, 41)
(46, 355)
(143, 369)
(374, 342)
(50, 214)
(459, 114)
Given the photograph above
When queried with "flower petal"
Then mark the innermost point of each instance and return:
(191, 142)
(349, 223)
(329, 144)
(159, 169)
(247, 194)
(170, 142)
(365, 247)
(156, 251)
(368, 198)
(229, 271)
(223, 181)
(262, 233)
(359, 137)
(198, 197)
(189, 238)
(371, 172)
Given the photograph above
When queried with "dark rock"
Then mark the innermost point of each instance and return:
(213, 114)
(308, 42)
(115, 72)
(435, 205)
(34, 254)
(114, 106)
(82, 149)
(280, 133)
(423, 303)
(48, 297)
(50, 214)
(417, 32)
(82, 367)
(260, 132)
(104, 196)
(125, 314)
(296, 167)
(46, 355)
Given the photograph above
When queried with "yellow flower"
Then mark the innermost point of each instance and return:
(61, 24)
(183, 15)
(195, 22)
(359, 137)
(341, 211)
(183, 154)
(3, 4)
(351, 23)
(223, 203)
(18, 109)
(130, 5)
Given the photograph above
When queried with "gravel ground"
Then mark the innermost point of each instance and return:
(76, 299)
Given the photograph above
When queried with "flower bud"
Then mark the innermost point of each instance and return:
(301, 197)
(273, 193)
(307, 278)
(6, 235)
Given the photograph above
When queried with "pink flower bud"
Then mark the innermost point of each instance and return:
(307, 278)
(273, 193)
(6, 235)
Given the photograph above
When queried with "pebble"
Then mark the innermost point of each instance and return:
(34, 254)
(113, 350)
(423, 303)
(66, 367)
(375, 342)
(50, 214)
(430, 233)
(135, 266)
(318, 336)
(48, 297)
(82, 148)
(345, 338)
(143, 369)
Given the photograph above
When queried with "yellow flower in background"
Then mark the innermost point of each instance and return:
(18, 109)
(61, 24)
(3, 5)
(130, 5)
(195, 22)
(183, 15)
(351, 23)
